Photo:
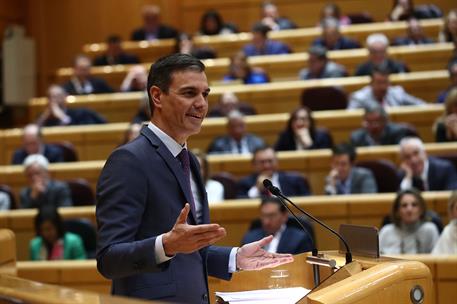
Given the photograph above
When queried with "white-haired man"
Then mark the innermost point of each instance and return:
(42, 190)
(377, 45)
(423, 172)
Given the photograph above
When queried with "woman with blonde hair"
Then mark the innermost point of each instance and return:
(446, 126)
(447, 243)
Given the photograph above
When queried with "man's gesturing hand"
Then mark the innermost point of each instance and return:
(253, 257)
(185, 238)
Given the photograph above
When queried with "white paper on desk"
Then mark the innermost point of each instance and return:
(280, 295)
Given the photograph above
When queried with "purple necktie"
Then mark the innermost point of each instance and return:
(183, 157)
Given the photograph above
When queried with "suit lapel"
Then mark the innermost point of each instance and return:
(173, 164)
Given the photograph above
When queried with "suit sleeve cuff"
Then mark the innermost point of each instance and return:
(232, 260)
(160, 255)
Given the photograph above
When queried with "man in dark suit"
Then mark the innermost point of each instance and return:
(82, 82)
(286, 239)
(422, 172)
(152, 28)
(154, 236)
(237, 141)
(377, 129)
(115, 54)
(345, 178)
(265, 165)
(32, 143)
(331, 37)
(261, 45)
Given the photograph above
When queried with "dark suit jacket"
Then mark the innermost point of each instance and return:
(391, 135)
(133, 208)
(393, 66)
(271, 48)
(291, 184)
(99, 86)
(53, 153)
(343, 43)
(363, 181)
(57, 194)
(223, 144)
(442, 175)
(286, 141)
(293, 240)
(78, 117)
(409, 41)
(123, 58)
(163, 32)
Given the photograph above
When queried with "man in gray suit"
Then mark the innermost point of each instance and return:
(237, 140)
(344, 178)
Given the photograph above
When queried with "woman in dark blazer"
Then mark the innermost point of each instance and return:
(301, 133)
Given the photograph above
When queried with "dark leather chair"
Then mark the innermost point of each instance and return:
(451, 158)
(81, 192)
(385, 173)
(358, 18)
(68, 150)
(86, 231)
(6, 189)
(327, 98)
(229, 182)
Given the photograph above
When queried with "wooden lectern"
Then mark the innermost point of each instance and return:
(365, 280)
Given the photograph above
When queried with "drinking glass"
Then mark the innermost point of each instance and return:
(279, 278)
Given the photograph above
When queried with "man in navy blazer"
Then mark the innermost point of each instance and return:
(286, 239)
(152, 27)
(265, 164)
(261, 45)
(422, 172)
(154, 237)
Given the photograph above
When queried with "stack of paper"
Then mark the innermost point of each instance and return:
(281, 295)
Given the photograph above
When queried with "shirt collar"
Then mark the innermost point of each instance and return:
(174, 147)
(425, 171)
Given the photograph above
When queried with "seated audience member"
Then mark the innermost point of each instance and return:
(377, 45)
(82, 82)
(271, 18)
(331, 37)
(240, 70)
(132, 132)
(409, 233)
(5, 202)
(378, 130)
(265, 165)
(228, 102)
(301, 133)
(405, 9)
(237, 140)
(452, 68)
(42, 191)
(449, 32)
(32, 143)
(57, 113)
(422, 172)
(135, 80)
(212, 23)
(261, 45)
(344, 177)
(115, 54)
(214, 189)
(380, 92)
(152, 28)
(414, 35)
(185, 45)
(331, 10)
(320, 67)
(446, 126)
(52, 241)
(286, 239)
(447, 243)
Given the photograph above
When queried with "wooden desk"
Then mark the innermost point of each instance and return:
(236, 215)
(7, 252)
(298, 39)
(276, 97)
(95, 142)
(286, 67)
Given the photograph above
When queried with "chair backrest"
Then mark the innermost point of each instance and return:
(81, 192)
(229, 182)
(6, 189)
(68, 150)
(385, 173)
(326, 98)
(86, 231)
(358, 18)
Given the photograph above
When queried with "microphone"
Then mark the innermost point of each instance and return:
(276, 192)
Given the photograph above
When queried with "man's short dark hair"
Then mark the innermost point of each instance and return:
(260, 149)
(380, 70)
(375, 108)
(273, 200)
(319, 51)
(161, 72)
(261, 28)
(345, 149)
(113, 39)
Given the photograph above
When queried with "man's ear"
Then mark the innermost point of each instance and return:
(156, 96)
